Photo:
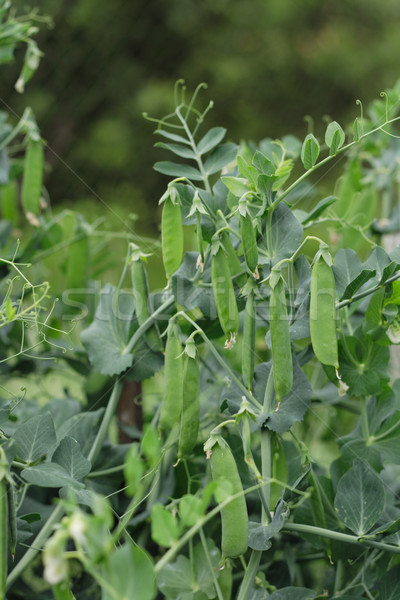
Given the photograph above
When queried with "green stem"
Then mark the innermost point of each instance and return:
(138, 335)
(249, 576)
(327, 159)
(364, 419)
(221, 361)
(340, 537)
(36, 545)
(367, 292)
(338, 577)
(210, 565)
(105, 423)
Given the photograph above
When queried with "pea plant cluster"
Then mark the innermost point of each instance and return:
(267, 465)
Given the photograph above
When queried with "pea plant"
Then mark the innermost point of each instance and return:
(265, 464)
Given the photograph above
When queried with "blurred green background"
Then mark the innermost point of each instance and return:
(268, 63)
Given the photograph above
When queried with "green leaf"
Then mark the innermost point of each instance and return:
(130, 573)
(68, 455)
(177, 170)
(133, 469)
(263, 164)
(106, 338)
(309, 151)
(211, 139)
(191, 509)
(178, 149)
(236, 185)
(83, 428)
(384, 265)
(260, 535)
(292, 593)
(349, 273)
(389, 585)
(49, 475)
(164, 527)
(360, 498)
(190, 295)
(334, 137)
(172, 136)
(318, 209)
(35, 438)
(220, 157)
(286, 233)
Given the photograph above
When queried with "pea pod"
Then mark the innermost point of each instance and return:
(3, 534)
(225, 581)
(142, 301)
(280, 341)
(249, 341)
(12, 519)
(173, 380)
(235, 266)
(224, 295)
(33, 177)
(249, 241)
(171, 236)
(190, 418)
(322, 313)
(234, 517)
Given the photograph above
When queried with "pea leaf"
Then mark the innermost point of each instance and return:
(190, 295)
(106, 338)
(286, 233)
(318, 209)
(35, 438)
(360, 498)
(49, 475)
(236, 185)
(164, 527)
(349, 273)
(177, 170)
(83, 428)
(309, 151)
(129, 571)
(68, 455)
(191, 509)
(221, 156)
(334, 137)
(211, 139)
(178, 149)
(260, 535)
(172, 136)
(263, 164)
(389, 586)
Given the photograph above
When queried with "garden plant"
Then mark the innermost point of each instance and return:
(266, 462)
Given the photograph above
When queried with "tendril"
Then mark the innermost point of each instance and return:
(384, 95)
(310, 123)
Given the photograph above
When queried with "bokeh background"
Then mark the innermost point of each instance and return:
(267, 63)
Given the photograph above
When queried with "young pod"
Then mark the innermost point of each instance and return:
(234, 517)
(171, 237)
(322, 314)
(249, 341)
(171, 405)
(3, 536)
(190, 417)
(32, 179)
(224, 295)
(249, 241)
(280, 341)
(235, 266)
(141, 296)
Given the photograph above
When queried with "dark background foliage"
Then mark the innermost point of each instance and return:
(267, 65)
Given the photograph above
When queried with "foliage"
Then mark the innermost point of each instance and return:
(273, 335)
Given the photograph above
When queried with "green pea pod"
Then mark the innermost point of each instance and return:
(12, 519)
(3, 536)
(322, 314)
(224, 295)
(235, 266)
(190, 418)
(234, 517)
(171, 237)
(32, 180)
(225, 581)
(249, 241)
(9, 202)
(141, 296)
(249, 341)
(173, 380)
(280, 342)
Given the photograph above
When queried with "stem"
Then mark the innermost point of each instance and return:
(221, 361)
(249, 576)
(327, 159)
(340, 537)
(36, 545)
(137, 336)
(210, 565)
(367, 292)
(364, 419)
(338, 577)
(105, 423)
